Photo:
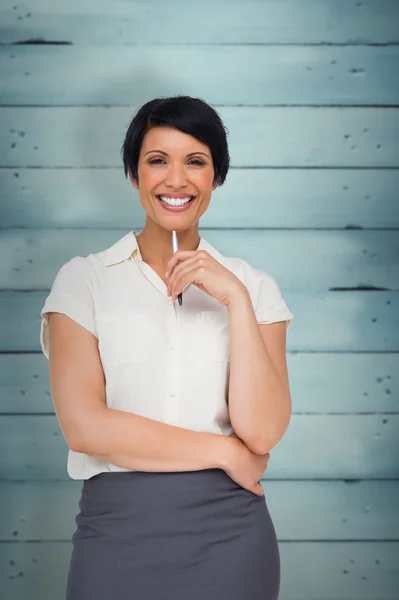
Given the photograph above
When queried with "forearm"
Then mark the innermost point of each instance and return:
(259, 402)
(135, 442)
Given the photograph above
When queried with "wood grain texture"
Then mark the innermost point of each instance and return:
(358, 321)
(299, 260)
(140, 22)
(321, 383)
(269, 75)
(313, 447)
(309, 94)
(270, 198)
(258, 136)
(347, 571)
(360, 510)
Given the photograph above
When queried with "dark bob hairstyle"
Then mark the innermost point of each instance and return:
(189, 115)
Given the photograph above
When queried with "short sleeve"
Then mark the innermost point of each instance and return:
(270, 304)
(71, 294)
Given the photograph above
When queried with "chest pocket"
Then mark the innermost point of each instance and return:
(213, 336)
(123, 337)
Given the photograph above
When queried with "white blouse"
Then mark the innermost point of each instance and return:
(161, 360)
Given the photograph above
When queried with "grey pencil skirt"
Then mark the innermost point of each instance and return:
(192, 535)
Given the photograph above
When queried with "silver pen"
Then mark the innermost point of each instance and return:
(175, 247)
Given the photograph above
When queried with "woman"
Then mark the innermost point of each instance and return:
(169, 411)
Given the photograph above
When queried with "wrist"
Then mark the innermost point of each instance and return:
(241, 300)
(226, 454)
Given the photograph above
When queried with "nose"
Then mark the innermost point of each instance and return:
(176, 176)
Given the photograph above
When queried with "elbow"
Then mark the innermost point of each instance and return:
(261, 444)
(71, 433)
(82, 445)
(75, 443)
(86, 438)
(267, 439)
(81, 441)
(76, 437)
(258, 444)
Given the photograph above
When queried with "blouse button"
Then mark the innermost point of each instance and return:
(172, 393)
(171, 345)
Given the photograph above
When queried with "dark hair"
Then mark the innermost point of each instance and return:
(189, 115)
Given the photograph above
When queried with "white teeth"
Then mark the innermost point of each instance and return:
(175, 201)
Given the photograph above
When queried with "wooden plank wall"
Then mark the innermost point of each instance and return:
(309, 92)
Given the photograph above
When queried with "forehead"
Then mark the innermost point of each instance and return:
(170, 140)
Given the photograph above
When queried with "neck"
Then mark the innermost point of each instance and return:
(155, 243)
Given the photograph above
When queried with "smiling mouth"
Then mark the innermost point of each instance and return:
(175, 202)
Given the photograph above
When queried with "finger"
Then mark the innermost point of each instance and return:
(180, 255)
(183, 267)
(183, 255)
(187, 274)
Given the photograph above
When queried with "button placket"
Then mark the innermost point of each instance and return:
(171, 414)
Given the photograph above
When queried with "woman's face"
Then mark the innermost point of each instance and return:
(171, 164)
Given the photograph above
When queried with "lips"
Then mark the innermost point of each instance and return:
(172, 208)
(176, 196)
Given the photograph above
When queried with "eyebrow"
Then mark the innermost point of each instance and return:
(166, 154)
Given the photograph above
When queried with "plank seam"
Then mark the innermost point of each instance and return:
(281, 480)
(234, 167)
(303, 414)
(268, 105)
(42, 42)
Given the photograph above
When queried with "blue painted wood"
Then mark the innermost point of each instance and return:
(306, 75)
(257, 21)
(343, 383)
(258, 136)
(324, 322)
(358, 570)
(320, 383)
(363, 510)
(289, 198)
(339, 572)
(313, 447)
(343, 347)
(299, 260)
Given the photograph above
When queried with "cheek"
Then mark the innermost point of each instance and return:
(147, 177)
(204, 180)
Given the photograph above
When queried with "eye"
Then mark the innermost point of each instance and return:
(156, 161)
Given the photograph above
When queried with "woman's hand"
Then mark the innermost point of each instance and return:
(245, 467)
(202, 270)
